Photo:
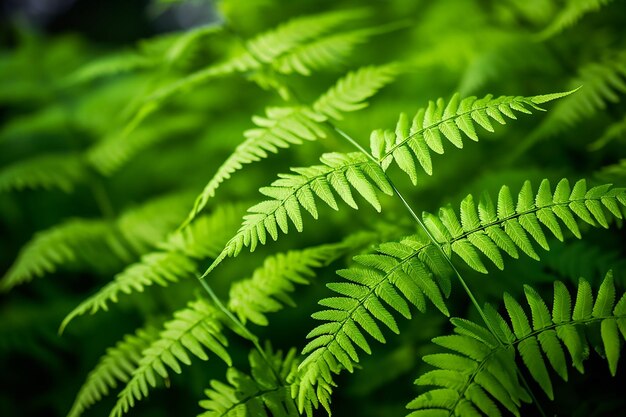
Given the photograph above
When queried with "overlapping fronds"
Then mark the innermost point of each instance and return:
(178, 260)
(268, 289)
(115, 366)
(193, 330)
(60, 171)
(602, 83)
(97, 243)
(257, 52)
(339, 173)
(478, 373)
(573, 11)
(413, 141)
(112, 153)
(286, 126)
(413, 270)
(263, 392)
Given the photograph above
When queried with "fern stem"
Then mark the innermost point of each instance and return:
(422, 225)
(244, 330)
(101, 197)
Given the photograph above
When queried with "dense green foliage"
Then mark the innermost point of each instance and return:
(198, 205)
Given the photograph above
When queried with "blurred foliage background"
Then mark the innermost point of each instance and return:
(75, 74)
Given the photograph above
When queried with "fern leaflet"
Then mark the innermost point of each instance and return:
(257, 52)
(615, 131)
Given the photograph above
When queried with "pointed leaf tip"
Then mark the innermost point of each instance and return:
(544, 98)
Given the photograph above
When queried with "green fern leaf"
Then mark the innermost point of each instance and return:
(258, 52)
(602, 82)
(350, 92)
(203, 239)
(286, 126)
(61, 171)
(339, 172)
(474, 360)
(613, 132)
(269, 288)
(71, 243)
(117, 364)
(322, 53)
(192, 330)
(110, 154)
(453, 120)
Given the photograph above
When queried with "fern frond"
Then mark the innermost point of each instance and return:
(412, 142)
(269, 288)
(339, 172)
(258, 52)
(478, 374)
(262, 393)
(61, 171)
(115, 366)
(326, 52)
(166, 50)
(349, 93)
(115, 151)
(113, 64)
(178, 260)
(192, 330)
(73, 242)
(573, 11)
(602, 82)
(286, 126)
(509, 226)
(280, 128)
(413, 269)
(99, 244)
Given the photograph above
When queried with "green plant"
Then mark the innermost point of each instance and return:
(137, 134)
